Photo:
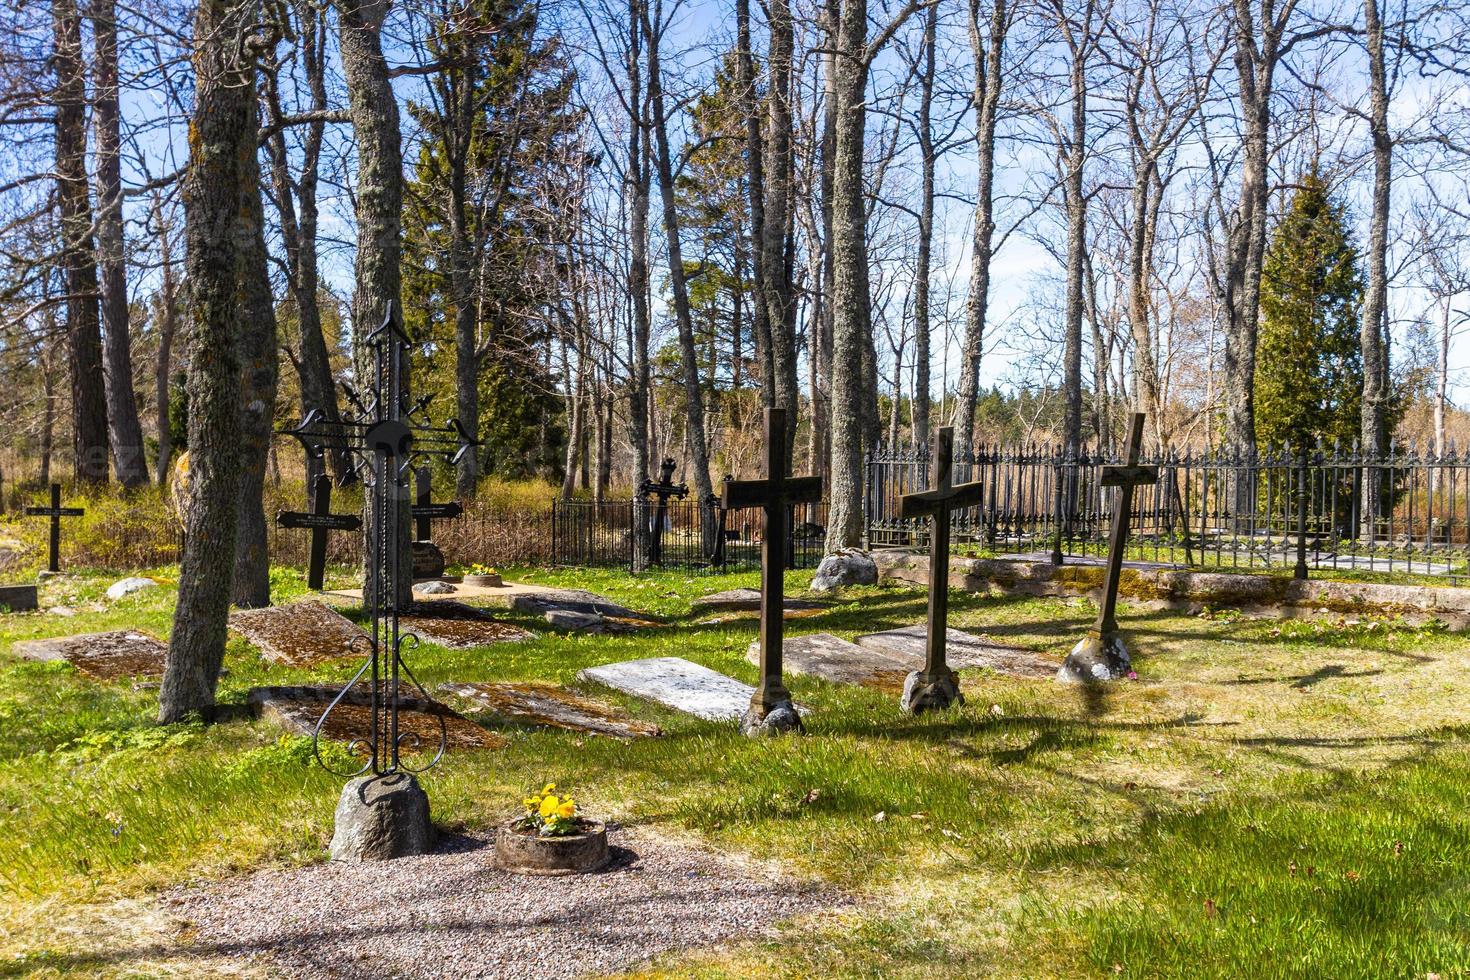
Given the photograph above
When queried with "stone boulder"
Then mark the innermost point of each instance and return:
(382, 817)
(1096, 658)
(850, 566)
(127, 586)
(428, 560)
(433, 588)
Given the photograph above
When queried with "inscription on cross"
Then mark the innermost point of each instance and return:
(936, 687)
(319, 521)
(771, 710)
(424, 510)
(1101, 655)
(56, 512)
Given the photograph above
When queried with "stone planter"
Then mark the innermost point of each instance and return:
(484, 581)
(523, 853)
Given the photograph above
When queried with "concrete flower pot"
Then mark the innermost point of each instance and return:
(484, 581)
(527, 853)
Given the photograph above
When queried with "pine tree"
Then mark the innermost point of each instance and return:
(1309, 367)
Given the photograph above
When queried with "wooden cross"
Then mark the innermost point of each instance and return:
(937, 504)
(423, 510)
(773, 495)
(319, 521)
(1125, 478)
(56, 512)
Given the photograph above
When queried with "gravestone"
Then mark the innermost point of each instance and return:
(771, 710)
(319, 521)
(936, 687)
(458, 626)
(18, 598)
(836, 660)
(547, 705)
(1101, 655)
(301, 634)
(676, 683)
(298, 710)
(745, 600)
(105, 656)
(963, 651)
(56, 512)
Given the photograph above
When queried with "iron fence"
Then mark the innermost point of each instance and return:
(1291, 510)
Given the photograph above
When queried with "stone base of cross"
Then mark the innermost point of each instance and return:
(1101, 655)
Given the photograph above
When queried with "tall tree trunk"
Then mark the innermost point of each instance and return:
(1373, 333)
(637, 181)
(928, 159)
(1076, 255)
(83, 329)
(755, 186)
(374, 112)
(693, 391)
(126, 433)
(162, 369)
(988, 52)
(257, 341)
(222, 144)
(774, 256)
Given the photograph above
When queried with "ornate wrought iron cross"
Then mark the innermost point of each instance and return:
(385, 436)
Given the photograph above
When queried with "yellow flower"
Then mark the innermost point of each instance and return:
(566, 811)
(549, 806)
(548, 788)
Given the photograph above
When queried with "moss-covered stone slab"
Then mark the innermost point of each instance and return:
(105, 656)
(300, 634)
(297, 710)
(575, 600)
(677, 683)
(744, 600)
(962, 650)
(458, 625)
(547, 705)
(834, 659)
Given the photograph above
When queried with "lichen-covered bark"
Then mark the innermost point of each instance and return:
(74, 204)
(222, 141)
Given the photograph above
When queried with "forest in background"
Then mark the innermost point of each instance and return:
(621, 228)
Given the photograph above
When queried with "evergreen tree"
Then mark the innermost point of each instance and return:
(1309, 367)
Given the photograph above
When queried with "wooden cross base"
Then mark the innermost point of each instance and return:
(923, 691)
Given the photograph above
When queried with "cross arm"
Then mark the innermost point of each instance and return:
(761, 493)
(926, 502)
(1117, 476)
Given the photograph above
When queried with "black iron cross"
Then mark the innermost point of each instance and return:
(56, 512)
(937, 504)
(1125, 478)
(663, 489)
(423, 511)
(773, 495)
(319, 521)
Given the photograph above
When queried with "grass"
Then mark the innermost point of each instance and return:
(1272, 799)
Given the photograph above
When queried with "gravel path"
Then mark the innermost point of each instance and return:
(451, 914)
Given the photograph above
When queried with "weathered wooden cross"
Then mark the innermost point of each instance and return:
(771, 710)
(56, 512)
(424, 510)
(663, 489)
(1101, 655)
(319, 521)
(936, 686)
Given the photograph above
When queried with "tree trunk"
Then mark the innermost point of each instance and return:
(374, 112)
(928, 159)
(126, 433)
(774, 260)
(755, 185)
(1076, 256)
(988, 53)
(74, 205)
(162, 368)
(1373, 333)
(257, 341)
(222, 143)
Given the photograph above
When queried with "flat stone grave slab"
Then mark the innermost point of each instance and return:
(834, 659)
(677, 683)
(744, 600)
(106, 656)
(300, 634)
(297, 710)
(548, 705)
(962, 650)
(458, 626)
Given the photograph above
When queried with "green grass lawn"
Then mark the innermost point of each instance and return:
(1269, 799)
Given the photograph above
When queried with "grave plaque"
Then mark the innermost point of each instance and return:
(1101, 655)
(319, 522)
(936, 687)
(771, 710)
(56, 512)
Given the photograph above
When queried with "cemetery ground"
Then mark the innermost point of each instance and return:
(1269, 798)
